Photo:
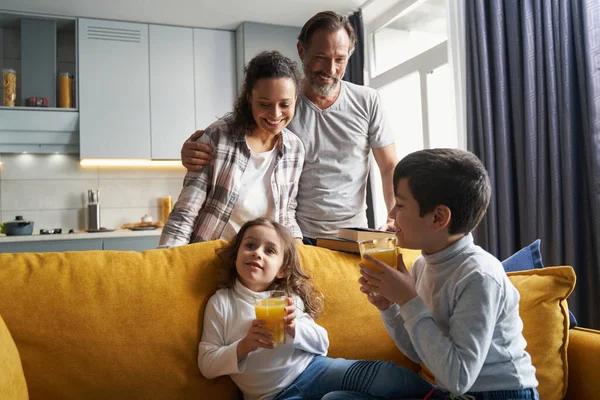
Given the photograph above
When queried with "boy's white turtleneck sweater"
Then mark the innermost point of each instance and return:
(264, 372)
(464, 324)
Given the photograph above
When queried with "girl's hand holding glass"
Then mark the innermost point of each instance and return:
(290, 318)
(258, 337)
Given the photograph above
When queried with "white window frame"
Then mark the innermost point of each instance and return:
(423, 63)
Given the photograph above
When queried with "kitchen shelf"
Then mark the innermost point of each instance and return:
(38, 47)
(39, 108)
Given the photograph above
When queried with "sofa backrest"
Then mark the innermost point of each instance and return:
(125, 325)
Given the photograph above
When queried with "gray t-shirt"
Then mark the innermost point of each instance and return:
(337, 140)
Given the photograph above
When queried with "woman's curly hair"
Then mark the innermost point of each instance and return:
(267, 64)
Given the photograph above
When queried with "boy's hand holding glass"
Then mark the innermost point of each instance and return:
(396, 285)
(378, 301)
(381, 249)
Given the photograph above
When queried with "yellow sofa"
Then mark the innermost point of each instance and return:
(126, 325)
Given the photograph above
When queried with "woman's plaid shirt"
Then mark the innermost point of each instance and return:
(209, 196)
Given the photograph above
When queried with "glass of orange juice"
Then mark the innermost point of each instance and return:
(270, 307)
(383, 249)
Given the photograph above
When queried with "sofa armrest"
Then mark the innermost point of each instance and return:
(583, 358)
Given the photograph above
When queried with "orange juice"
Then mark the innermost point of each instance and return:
(383, 250)
(272, 311)
(387, 256)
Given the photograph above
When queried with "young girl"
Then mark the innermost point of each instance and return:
(262, 256)
(257, 161)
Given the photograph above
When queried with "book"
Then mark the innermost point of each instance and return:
(362, 234)
(339, 244)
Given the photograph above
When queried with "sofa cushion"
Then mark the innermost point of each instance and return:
(12, 380)
(543, 309)
(111, 324)
(530, 257)
(350, 320)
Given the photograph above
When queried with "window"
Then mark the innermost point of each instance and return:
(408, 54)
(415, 30)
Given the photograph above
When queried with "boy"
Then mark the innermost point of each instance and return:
(456, 310)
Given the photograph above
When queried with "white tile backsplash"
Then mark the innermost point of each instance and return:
(49, 194)
(120, 193)
(50, 219)
(113, 218)
(51, 190)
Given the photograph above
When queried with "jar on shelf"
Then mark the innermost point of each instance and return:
(65, 87)
(9, 85)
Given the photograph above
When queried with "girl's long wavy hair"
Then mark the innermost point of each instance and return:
(265, 65)
(295, 281)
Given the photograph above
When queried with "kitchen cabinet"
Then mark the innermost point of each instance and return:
(145, 88)
(37, 49)
(39, 131)
(215, 82)
(79, 242)
(172, 111)
(134, 243)
(114, 85)
(51, 246)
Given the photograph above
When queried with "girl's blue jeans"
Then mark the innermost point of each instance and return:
(325, 376)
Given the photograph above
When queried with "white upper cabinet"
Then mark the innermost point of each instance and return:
(214, 59)
(114, 88)
(172, 112)
(144, 89)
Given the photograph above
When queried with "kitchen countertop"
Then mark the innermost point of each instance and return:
(79, 235)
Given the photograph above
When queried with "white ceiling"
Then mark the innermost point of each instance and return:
(217, 14)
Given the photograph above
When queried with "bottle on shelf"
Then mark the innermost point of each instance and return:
(65, 87)
(9, 84)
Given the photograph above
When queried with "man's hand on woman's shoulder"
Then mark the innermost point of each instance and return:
(194, 155)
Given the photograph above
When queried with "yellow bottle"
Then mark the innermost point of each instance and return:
(167, 206)
(65, 85)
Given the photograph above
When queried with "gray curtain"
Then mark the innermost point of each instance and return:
(355, 74)
(533, 117)
(356, 64)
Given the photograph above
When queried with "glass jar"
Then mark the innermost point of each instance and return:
(65, 86)
(9, 85)
(167, 206)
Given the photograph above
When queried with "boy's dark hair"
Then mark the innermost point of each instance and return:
(454, 178)
(265, 65)
(331, 22)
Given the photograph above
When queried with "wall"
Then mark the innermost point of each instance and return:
(51, 190)
(252, 38)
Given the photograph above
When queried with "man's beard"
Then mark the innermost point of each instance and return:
(323, 90)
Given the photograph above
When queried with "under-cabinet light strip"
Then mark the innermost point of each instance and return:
(124, 162)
